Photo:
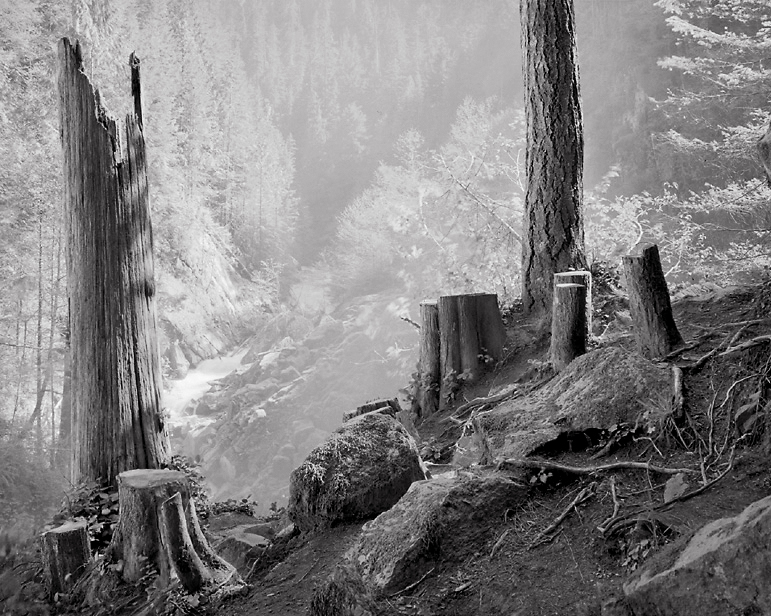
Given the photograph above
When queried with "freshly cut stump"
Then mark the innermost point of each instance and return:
(66, 553)
(649, 305)
(158, 530)
(568, 326)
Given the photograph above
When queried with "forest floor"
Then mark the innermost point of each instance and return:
(499, 571)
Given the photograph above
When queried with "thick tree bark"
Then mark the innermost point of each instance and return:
(583, 277)
(158, 531)
(553, 223)
(116, 377)
(471, 336)
(764, 153)
(649, 305)
(65, 553)
(449, 349)
(429, 378)
(568, 329)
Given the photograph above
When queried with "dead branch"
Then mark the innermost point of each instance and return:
(616, 506)
(588, 470)
(498, 543)
(632, 517)
(414, 584)
(677, 396)
(582, 497)
(746, 345)
(411, 322)
(479, 402)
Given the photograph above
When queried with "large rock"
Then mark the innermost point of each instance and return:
(596, 391)
(432, 523)
(360, 471)
(724, 570)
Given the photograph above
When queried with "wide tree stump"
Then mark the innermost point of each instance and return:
(471, 336)
(568, 325)
(65, 554)
(649, 305)
(427, 394)
(158, 531)
(583, 277)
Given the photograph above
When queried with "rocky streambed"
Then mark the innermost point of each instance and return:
(252, 417)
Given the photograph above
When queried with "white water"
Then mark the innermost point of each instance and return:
(195, 384)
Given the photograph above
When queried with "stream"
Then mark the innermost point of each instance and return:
(196, 383)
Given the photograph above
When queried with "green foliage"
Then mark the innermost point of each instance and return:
(98, 506)
(440, 220)
(199, 491)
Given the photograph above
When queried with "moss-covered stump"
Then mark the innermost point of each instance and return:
(430, 524)
(360, 471)
(601, 389)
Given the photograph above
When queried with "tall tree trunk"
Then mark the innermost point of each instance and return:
(116, 377)
(553, 225)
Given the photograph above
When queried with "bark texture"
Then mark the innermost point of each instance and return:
(764, 153)
(649, 305)
(471, 337)
(116, 376)
(583, 277)
(553, 224)
(428, 363)
(568, 329)
(65, 553)
(158, 531)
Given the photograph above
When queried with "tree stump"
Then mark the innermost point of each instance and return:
(649, 305)
(471, 336)
(583, 277)
(65, 554)
(449, 349)
(158, 531)
(389, 406)
(568, 325)
(427, 395)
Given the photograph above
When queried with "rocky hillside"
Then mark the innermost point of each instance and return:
(606, 497)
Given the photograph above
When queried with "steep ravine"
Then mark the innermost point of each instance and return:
(252, 417)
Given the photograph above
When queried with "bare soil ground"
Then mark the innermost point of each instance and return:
(506, 569)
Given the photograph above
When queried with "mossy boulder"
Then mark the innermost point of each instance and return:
(360, 471)
(435, 521)
(601, 389)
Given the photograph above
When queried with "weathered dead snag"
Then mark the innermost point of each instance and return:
(158, 531)
(568, 325)
(65, 551)
(649, 305)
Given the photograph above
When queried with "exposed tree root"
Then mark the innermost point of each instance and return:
(588, 470)
(583, 496)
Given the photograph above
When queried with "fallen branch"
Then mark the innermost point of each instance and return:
(746, 345)
(498, 543)
(588, 470)
(479, 402)
(616, 506)
(582, 497)
(632, 518)
(414, 584)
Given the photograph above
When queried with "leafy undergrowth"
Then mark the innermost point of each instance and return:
(579, 536)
